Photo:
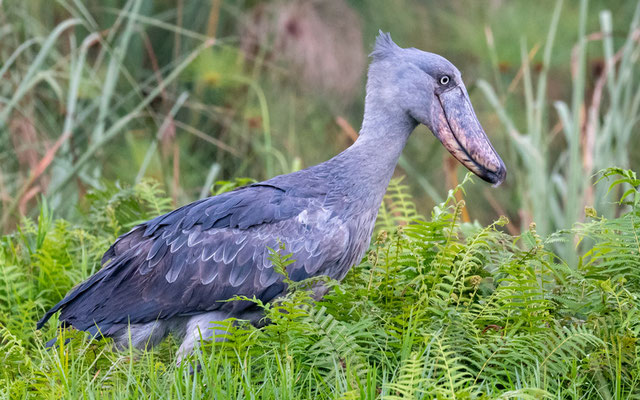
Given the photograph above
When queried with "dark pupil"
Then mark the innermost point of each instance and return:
(444, 80)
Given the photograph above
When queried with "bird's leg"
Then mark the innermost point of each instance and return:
(200, 328)
(139, 336)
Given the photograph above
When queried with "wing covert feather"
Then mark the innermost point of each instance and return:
(192, 259)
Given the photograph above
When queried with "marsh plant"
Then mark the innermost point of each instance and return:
(438, 309)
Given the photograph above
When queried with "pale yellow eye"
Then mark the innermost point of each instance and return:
(444, 80)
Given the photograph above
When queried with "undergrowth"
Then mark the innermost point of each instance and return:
(437, 309)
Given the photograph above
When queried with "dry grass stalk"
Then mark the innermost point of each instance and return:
(590, 125)
(346, 127)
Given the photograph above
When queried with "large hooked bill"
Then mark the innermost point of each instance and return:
(460, 132)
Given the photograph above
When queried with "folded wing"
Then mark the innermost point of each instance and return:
(192, 259)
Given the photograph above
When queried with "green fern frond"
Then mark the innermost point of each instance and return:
(336, 343)
(409, 379)
(454, 377)
(13, 353)
(397, 208)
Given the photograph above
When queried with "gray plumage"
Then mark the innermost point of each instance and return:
(174, 273)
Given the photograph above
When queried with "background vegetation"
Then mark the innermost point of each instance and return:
(189, 92)
(438, 309)
(105, 106)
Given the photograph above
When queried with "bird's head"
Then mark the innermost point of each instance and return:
(429, 90)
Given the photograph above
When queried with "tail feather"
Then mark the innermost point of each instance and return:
(53, 341)
(77, 291)
(93, 331)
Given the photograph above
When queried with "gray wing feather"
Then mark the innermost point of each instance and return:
(194, 258)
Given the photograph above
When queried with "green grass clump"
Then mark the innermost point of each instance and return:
(437, 309)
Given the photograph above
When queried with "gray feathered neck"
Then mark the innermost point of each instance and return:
(366, 167)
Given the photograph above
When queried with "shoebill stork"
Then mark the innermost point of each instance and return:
(176, 272)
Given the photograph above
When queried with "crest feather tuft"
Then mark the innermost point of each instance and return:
(384, 46)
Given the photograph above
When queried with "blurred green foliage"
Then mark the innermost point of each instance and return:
(97, 91)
